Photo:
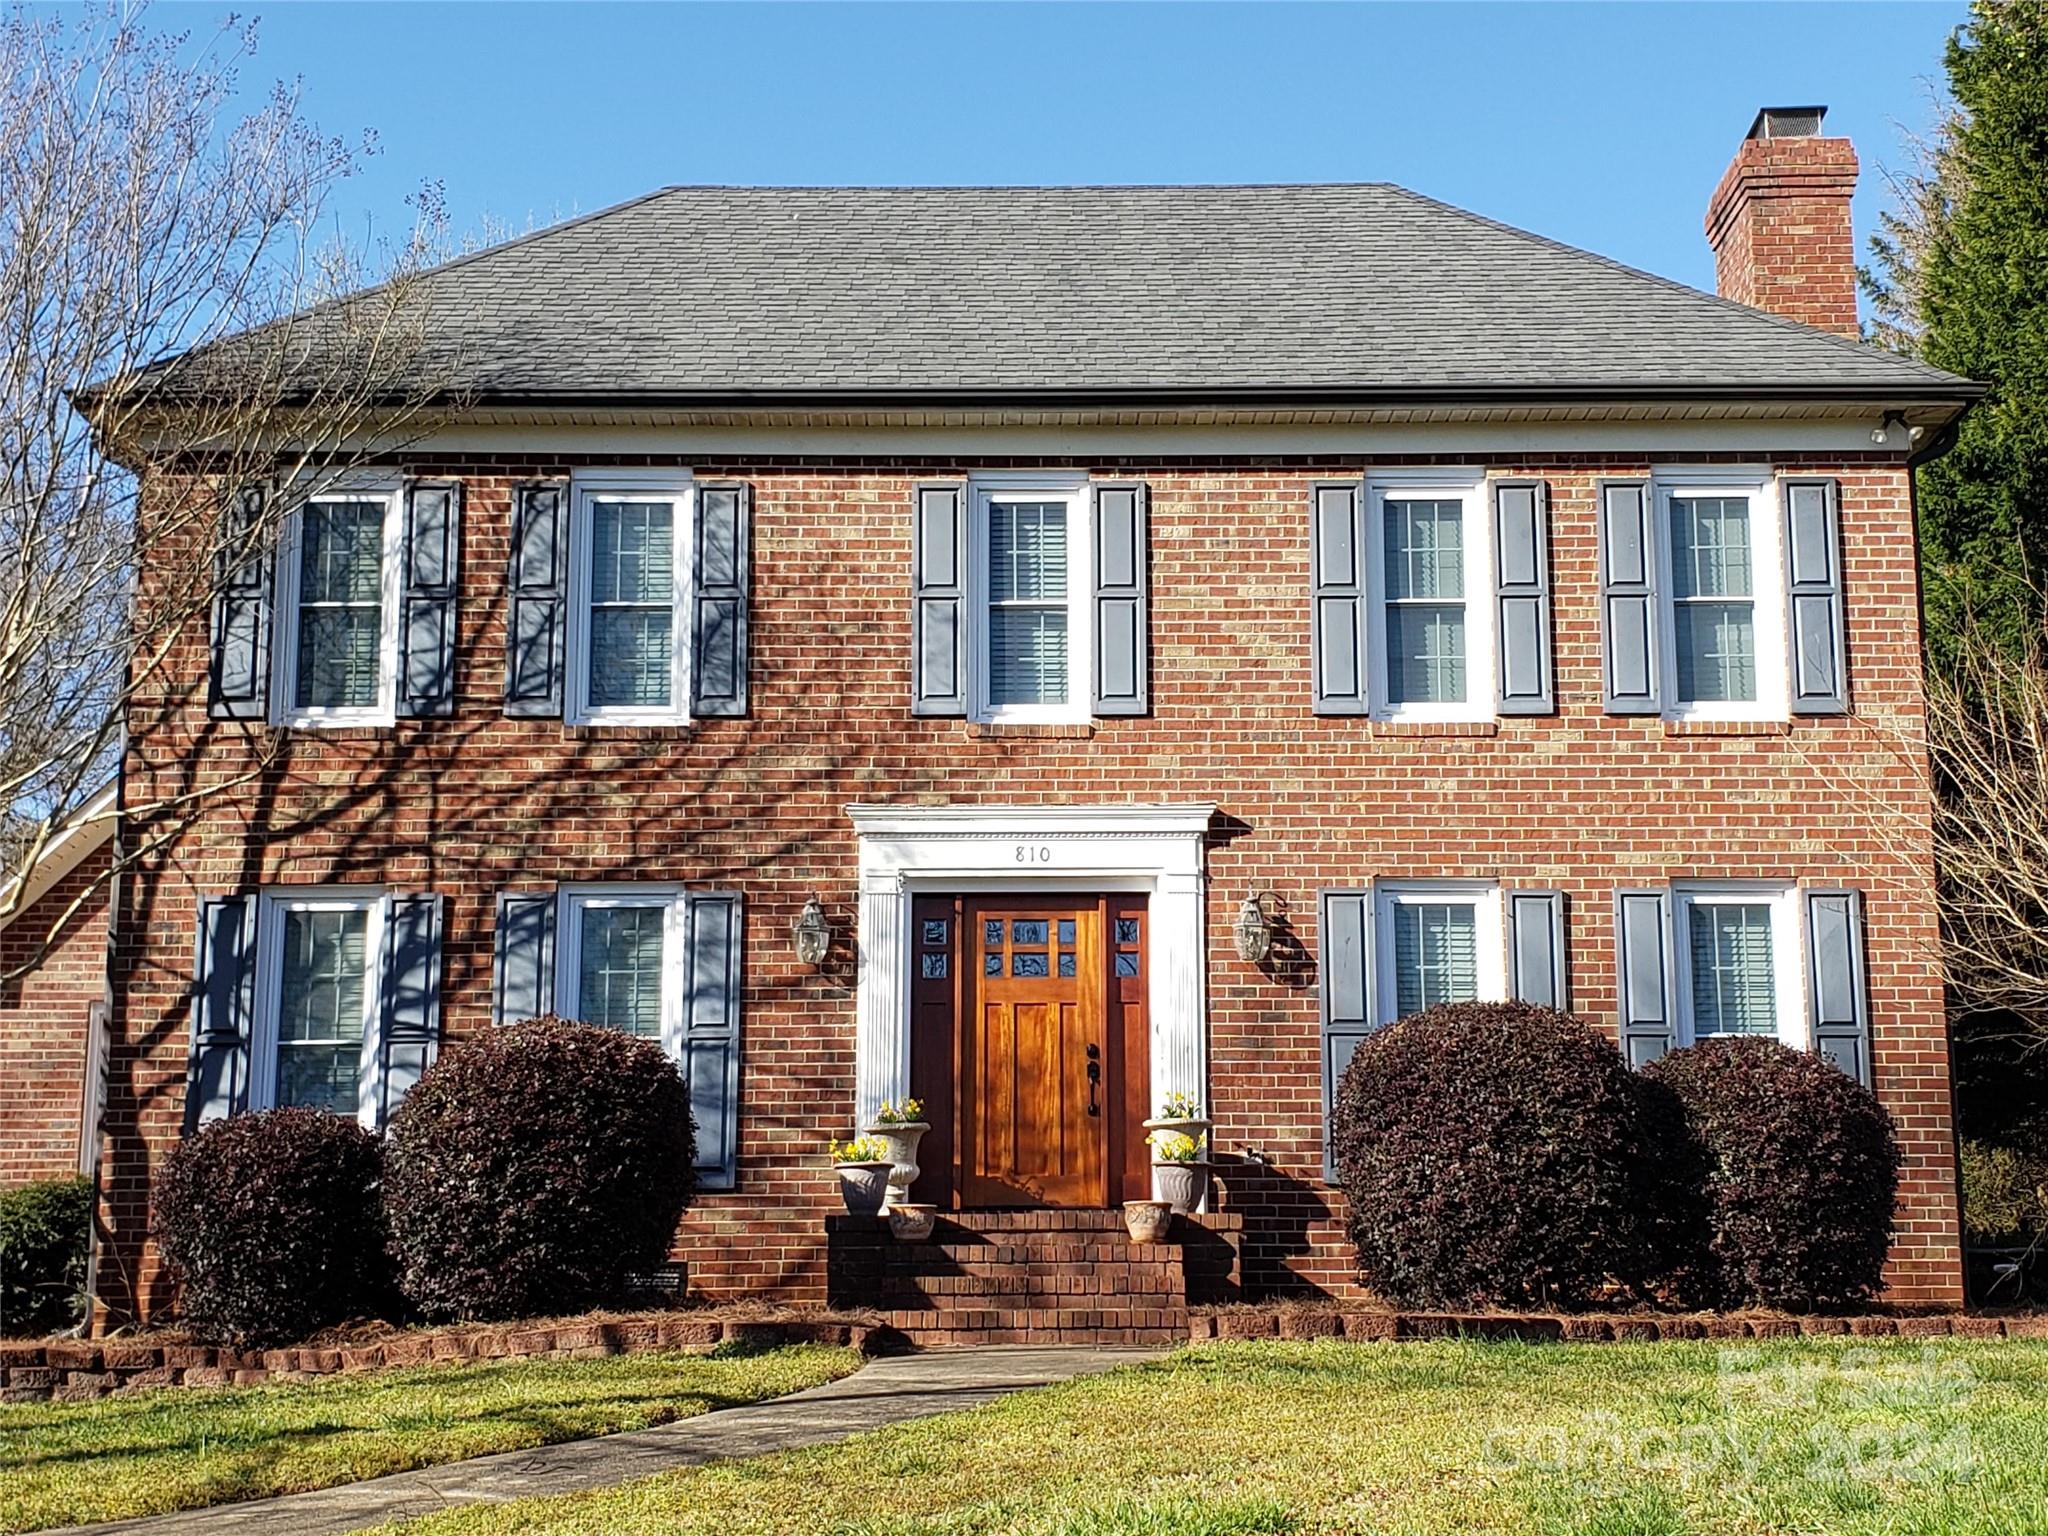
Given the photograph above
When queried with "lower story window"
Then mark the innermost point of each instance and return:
(1739, 963)
(621, 967)
(323, 1002)
(1438, 944)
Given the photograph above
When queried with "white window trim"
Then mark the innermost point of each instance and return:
(1489, 936)
(677, 486)
(571, 903)
(1767, 589)
(263, 1042)
(284, 710)
(1788, 952)
(1048, 485)
(1468, 487)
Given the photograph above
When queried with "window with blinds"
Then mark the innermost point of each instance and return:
(1436, 954)
(632, 604)
(341, 605)
(1712, 598)
(621, 966)
(1425, 601)
(322, 993)
(1027, 600)
(1733, 969)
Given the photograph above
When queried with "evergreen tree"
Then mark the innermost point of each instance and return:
(1960, 279)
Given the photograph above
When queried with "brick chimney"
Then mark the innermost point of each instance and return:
(1779, 222)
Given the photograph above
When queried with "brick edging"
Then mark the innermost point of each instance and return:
(1291, 1323)
(75, 1370)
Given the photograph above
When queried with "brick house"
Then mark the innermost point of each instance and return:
(53, 1012)
(1032, 577)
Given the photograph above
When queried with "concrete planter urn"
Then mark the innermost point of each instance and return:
(912, 1223)
(899, 1141)
(1182, 1185)
(862, 1186)
(1148, 1221)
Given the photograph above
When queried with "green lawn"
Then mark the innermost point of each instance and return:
(1817, 1436)
(182, 1448)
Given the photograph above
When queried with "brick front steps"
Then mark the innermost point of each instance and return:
(72, 1370)
(1033, 1277)
(1283, 1322)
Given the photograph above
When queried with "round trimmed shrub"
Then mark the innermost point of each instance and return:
(1799, 1169)
(531, 1169)
(271, 1226)
(1500, 1154)
(45, 1230)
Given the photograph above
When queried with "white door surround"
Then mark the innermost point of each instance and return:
(910, 850)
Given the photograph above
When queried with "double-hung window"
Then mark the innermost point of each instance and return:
(620, 963)
(1739, 966)
(337, 617)
(1724, 618)
(629, 611)
(320, 985)
(1031, 576)
(1438, 944)
(1429, 546)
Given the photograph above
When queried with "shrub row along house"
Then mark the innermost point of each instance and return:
(1169, 631)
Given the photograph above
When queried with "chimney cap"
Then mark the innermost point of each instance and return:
(1787, 123)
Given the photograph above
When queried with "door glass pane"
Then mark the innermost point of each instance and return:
(1425, 568)
(320, 1009)
(1734, 979)
(341, 607)
(1027, 588)
(1027, 963)
(934, 931)
(620, 984)
(1435, 954)
(1715, 618)
(1028, 931)
(632, 603)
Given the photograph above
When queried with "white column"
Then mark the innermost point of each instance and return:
(881, 1052)
(1179, 962)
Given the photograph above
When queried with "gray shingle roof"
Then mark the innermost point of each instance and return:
(1363, 290)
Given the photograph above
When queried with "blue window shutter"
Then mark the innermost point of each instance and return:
(523, 957)
(537, 601)
(1628, 598)
(711, 1034)
(718, 600)
(1537, 972)
(1837, 991)
(1813, 569)
(223, 1006)
(1345, 920)
(939, 600)
(238, 670)
(1122, 621)
(426, 626)
(1337, 622)
(1521, 554)
(411, 1005)
(1645, 987)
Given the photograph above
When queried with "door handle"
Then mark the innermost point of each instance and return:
(1095, 1080)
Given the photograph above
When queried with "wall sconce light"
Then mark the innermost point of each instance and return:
(1892, 431)
(811, 933)
(1255, 923)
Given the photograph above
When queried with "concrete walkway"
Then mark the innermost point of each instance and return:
(886, 1391)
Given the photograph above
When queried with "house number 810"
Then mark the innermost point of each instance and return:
(1034, 853)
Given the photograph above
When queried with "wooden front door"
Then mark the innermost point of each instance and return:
(1022, 1049)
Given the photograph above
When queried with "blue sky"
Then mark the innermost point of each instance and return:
(1605, 126)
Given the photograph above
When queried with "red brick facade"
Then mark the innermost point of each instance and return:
(45, 1019)
(1579, 801)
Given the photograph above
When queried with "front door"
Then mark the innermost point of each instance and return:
(1029, 1049)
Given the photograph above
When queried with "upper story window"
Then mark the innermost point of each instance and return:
(320, 990)
(1724, 617)
(337, 614)
(1739, 962)
(628, 628)
(1030, 579)
(1430, 578)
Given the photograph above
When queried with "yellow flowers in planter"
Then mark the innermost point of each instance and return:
(1175, 1147)
(862, 1149)
(909, 1112)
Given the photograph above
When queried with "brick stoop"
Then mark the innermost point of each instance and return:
(1033, 1277)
